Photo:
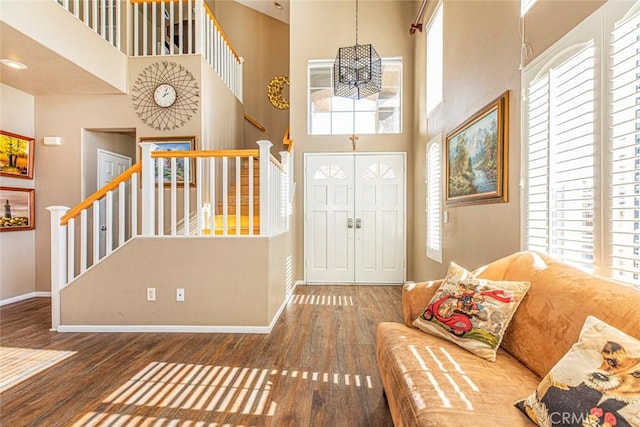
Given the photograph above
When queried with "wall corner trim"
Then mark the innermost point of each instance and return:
(23, 297)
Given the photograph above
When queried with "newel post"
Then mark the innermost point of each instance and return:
(265, 187)
(148, 189)
(285, 187)
(58, 261)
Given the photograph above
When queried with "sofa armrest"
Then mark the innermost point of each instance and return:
(415, 297)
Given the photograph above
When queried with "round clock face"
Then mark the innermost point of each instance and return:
(164, 95)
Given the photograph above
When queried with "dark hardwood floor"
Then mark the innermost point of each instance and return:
(317, 368)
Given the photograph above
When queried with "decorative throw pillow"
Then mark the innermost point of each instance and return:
(473, 313)
(597, 383)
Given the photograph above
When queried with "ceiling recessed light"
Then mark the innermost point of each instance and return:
(13, 64)
(278, 5)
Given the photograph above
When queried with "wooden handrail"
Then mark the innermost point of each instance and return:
(224, 36)
(210, 153)
(254, 122)
(101, 193)
(286, 140)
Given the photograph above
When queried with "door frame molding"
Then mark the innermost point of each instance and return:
(304, 206)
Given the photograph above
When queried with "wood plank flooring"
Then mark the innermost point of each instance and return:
(316, 368)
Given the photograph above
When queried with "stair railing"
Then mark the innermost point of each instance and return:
(102, 16)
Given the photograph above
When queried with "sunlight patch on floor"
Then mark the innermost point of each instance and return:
(19, 364)
(98, 419)
(322, 300)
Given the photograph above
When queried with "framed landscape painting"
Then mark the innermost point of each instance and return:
(174, 144)
(16, 155)
(477, 157)
(18, 211)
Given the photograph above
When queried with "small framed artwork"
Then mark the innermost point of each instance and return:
(477, 157)
(185, 143)
(16, 155)
(18, 209)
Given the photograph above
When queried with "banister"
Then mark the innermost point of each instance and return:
(101, 193)
(209, 153)
(254, 122)
(224, 36)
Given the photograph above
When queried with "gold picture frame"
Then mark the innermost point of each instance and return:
(177, 143)
(16, 155)
(477, 157)
(18, 209)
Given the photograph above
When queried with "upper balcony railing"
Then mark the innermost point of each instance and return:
(164, 27)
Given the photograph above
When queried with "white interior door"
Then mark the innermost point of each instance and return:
(110, 165)
(354, 218)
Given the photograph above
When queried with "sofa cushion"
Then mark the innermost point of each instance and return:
(560, 298)
(431, 382)
(597, 380)
(472, 313)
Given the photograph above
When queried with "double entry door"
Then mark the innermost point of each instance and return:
(355, 218)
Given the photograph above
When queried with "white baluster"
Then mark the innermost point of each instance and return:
(96, 232)
(180, 29)
(94, 24)
(161, 197)
(145, 29)
(71, 245)
(148, 184)
(58, 261)
(103, 25)
(76, 8)
(121, 213)
(199, 29)
(171, 29)
(163, 35)
(199, 194)
(189, 26)
(109, 223)
(136, 29)
(265, 162)
(225, 188)
(110, 26)
(185, 209)
(212, 196)
(238, 192)
(85, 10)
(134, 205)
(250, 160)
(174, 195)
(154, 33)
(84, 236)
(285, 159)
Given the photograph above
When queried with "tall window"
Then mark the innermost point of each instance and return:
(434, 59)
(434, 229)
(525, 5)
(333, 115)
(582, 156)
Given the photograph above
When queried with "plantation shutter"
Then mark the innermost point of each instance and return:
(624, 130)
(561, 159)
(434, 231)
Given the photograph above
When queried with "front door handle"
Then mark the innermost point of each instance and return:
(349, 222)
(358, 223)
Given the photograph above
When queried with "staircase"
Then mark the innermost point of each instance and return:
(249, 188)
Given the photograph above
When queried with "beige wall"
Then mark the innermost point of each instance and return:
(482, 60)
(317, 30)
(263, 43)
(219, 288)
(17, 248)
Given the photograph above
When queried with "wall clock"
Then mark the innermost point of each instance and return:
(274, 92)
(165, 95)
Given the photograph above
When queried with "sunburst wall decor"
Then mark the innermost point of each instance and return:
(165, 95)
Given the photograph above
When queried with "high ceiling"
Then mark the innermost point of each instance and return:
(268, 7)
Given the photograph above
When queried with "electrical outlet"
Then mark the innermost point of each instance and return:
(151, 294)
(179, 294)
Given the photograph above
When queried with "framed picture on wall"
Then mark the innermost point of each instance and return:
(477, 157)
(18, 209)
(168, 144)
(16, 155)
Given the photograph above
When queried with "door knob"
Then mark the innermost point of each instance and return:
(358, 223)
(350, 223)
(103, 228)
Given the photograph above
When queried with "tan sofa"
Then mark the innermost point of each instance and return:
(431, 382)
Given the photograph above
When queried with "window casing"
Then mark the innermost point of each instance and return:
(581, 158)
(333, 115)
(433, 175)
(435, 59)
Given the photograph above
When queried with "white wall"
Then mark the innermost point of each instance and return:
(17, 248)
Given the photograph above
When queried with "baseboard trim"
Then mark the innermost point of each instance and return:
(183, 328)
(24, 297)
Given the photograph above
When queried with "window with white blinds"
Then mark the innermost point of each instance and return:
(435, 59)
(582, 147)
(434, 229)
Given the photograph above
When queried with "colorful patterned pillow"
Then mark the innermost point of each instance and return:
(597, 383)
(473, 313)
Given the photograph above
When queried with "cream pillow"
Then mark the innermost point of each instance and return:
(471, 312)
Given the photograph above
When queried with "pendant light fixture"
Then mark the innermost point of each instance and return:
(357, 71)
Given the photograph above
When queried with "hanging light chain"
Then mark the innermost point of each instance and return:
(356, 22)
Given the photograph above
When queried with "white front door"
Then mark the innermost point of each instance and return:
(110, 165)
(354, 218)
